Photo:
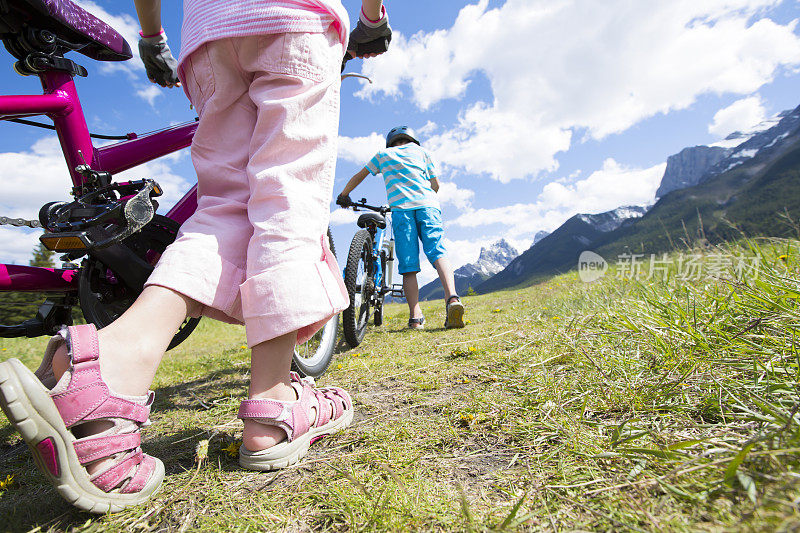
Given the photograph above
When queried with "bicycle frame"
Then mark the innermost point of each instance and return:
(384, 256)
(60, 102)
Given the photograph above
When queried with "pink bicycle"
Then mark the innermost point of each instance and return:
(111, 228)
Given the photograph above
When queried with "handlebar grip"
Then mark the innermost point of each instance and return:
(378, 46)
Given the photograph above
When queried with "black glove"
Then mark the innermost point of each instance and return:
(161, 67)
(367, 31)
(344, 200)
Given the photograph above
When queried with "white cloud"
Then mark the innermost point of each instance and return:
(739, 116)
(149, 93)
(359, 150)
(608, 188)
(343, 217)
(449, 193)
(559, 66)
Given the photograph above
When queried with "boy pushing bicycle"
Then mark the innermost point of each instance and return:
(411, 185)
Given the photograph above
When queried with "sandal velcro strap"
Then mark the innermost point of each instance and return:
(120, 408)
(84, 343)
(111, 478)
(91, 449)
(294, 417)
(141, 477)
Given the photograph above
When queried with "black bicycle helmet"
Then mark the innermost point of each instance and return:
(401, 132)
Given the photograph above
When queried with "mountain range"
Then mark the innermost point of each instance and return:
(747, 184)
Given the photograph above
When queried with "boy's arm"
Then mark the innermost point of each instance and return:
(435, 184)
(352, 184)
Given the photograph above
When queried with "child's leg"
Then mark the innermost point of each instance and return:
(411, 292)
(269, 378)
(129, 358)
(445, 271)
(293, 284)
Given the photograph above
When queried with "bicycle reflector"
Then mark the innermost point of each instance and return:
(66, 242)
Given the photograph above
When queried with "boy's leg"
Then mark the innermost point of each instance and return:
(407, 249)
(411, 292)
(445, 271)
(429, 223)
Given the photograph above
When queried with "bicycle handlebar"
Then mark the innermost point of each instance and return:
(382, 209)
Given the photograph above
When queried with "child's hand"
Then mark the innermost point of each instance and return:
(367, 31)
(344, 200)
(161, 67)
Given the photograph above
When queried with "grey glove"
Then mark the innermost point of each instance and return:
(161, 67)
(367, 31)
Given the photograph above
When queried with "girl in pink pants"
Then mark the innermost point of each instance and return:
(264, 78)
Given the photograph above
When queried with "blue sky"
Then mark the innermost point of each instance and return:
(535, 109)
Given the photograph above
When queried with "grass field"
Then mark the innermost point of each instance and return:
(648, 405)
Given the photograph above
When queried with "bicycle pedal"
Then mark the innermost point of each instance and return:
(67, 241)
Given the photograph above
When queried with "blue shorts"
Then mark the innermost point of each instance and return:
(410, 227)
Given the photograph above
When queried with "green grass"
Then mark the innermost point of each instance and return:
(660, 405)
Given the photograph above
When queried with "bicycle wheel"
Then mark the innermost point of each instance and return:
(314, 356)
(359, 283)
(103, 297)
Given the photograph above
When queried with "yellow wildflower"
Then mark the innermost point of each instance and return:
(339, 366)
(232, 449)
(783, 257)
(243, 346)
(472, 348)
(468, 322)
(8, 481)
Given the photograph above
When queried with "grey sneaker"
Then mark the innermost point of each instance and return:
(454, 312)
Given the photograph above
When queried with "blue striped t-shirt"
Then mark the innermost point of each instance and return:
(407, 170)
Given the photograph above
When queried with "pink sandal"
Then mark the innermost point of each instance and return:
(293, 418)
(45, 413)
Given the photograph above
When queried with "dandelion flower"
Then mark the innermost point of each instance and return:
(472, 348)
(243, 346)
(201, 451)
(339, 366)
(783, 257)
(232, 449)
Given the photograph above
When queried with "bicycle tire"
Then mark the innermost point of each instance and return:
(355, 318)
(313, 357)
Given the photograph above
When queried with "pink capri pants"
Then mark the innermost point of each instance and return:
(255, 251)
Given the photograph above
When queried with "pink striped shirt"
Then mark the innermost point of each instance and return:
(209, 20)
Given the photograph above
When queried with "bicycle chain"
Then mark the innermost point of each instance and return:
(19, 222)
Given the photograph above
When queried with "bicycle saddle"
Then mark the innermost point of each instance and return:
(93, 37)
(371, 218)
